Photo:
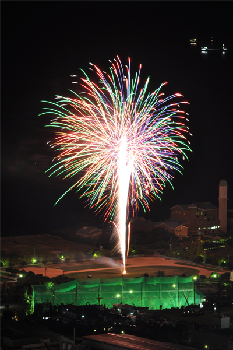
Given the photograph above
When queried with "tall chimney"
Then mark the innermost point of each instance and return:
(222, 205)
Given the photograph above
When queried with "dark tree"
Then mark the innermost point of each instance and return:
(198, 259)
(30, 274)
(8, 314)
(208, 260)
(160, 274)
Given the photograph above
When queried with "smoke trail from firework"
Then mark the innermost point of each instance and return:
(120, 145)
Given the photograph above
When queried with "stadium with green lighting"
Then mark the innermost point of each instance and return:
(152, 292)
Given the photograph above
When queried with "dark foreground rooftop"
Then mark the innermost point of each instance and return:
(112, 341)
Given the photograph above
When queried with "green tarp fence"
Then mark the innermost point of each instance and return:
(152, 292)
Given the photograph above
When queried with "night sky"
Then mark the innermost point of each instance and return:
(43, 43)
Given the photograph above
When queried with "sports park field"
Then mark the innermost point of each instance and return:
(135, 267)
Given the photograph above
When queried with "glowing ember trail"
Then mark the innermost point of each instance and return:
(119, 144)
(124, 171)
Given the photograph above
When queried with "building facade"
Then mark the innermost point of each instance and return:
(199, 218)
(181, 231)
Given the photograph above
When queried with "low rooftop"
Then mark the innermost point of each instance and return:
(200, 205)
(171, 223)
(127, 341)
(27, 331)
(205, 205)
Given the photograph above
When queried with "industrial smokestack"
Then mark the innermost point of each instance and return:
(222, 205)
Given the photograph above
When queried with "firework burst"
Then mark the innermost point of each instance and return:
(120, 144)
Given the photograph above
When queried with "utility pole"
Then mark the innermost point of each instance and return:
(74, 339)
